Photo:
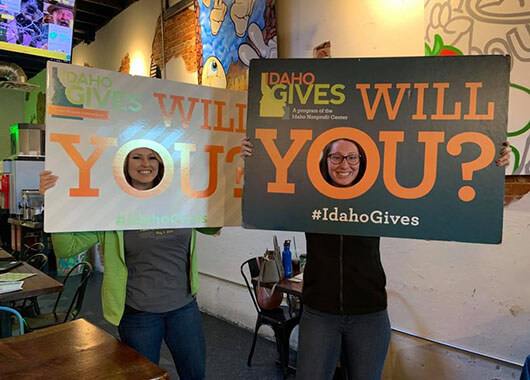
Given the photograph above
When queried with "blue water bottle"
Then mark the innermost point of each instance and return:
(286, 258)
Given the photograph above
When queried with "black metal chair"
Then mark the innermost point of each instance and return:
(38, 261)
(31, 250)
(30, 306)
(55, 317)
(280, 319)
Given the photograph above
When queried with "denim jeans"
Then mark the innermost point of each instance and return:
(361, 339)
(182, 331)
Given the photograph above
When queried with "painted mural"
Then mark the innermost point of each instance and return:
(233, 32)
(475, 27)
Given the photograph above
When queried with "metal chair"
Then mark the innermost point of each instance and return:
(17, 314)
(280, 319)
(31, 250)
(38, 261)
(55, 317)
(30, 306)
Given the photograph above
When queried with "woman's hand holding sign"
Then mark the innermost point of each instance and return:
(246, 147)
(47, 181)
(504, 158)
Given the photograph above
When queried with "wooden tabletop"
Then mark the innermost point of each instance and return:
(25, 223)
(5, 255)
(73, 350)
(34, 286)
(286, 286)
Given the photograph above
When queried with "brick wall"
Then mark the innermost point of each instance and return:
(198, 42)
(125, 66)
(516, 187)
(179, 40)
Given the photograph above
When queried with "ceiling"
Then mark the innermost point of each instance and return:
(90, 16)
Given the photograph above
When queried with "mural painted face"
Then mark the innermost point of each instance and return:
(343, 163)
(213, 74)
(142, 166)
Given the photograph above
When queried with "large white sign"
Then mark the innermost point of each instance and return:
(94, 118)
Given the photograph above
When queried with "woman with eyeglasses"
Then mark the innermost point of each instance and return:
(344, 297)
(344, 292)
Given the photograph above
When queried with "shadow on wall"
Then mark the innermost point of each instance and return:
(400, 363)
(408, 359)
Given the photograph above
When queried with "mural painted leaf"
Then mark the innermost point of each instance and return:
(428, 51)
(438, 45)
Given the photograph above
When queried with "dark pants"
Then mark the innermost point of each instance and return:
(182, 331)
(363, 339)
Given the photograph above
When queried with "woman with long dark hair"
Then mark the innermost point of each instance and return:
(150, 279)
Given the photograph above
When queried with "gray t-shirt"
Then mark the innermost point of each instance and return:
(158, 266)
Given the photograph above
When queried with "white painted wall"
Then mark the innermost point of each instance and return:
(469, 295)
(360, 28)
(131, 32)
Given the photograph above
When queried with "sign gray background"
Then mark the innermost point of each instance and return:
(443, 216)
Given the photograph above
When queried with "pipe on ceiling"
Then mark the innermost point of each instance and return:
(12, 72)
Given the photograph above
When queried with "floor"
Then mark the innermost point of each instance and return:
(227, 345)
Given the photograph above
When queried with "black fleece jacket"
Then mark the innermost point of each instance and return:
(344, 275)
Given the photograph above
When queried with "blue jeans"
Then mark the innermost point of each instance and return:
(362, 339)
(182, 331)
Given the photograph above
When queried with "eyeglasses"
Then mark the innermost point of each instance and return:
(337, 158)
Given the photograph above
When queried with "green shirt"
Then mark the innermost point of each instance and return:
(114, 286)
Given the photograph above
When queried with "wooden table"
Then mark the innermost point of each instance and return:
(291, 287)
(34, 286)
(5, 255)
(73, 350)
(287, 286)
